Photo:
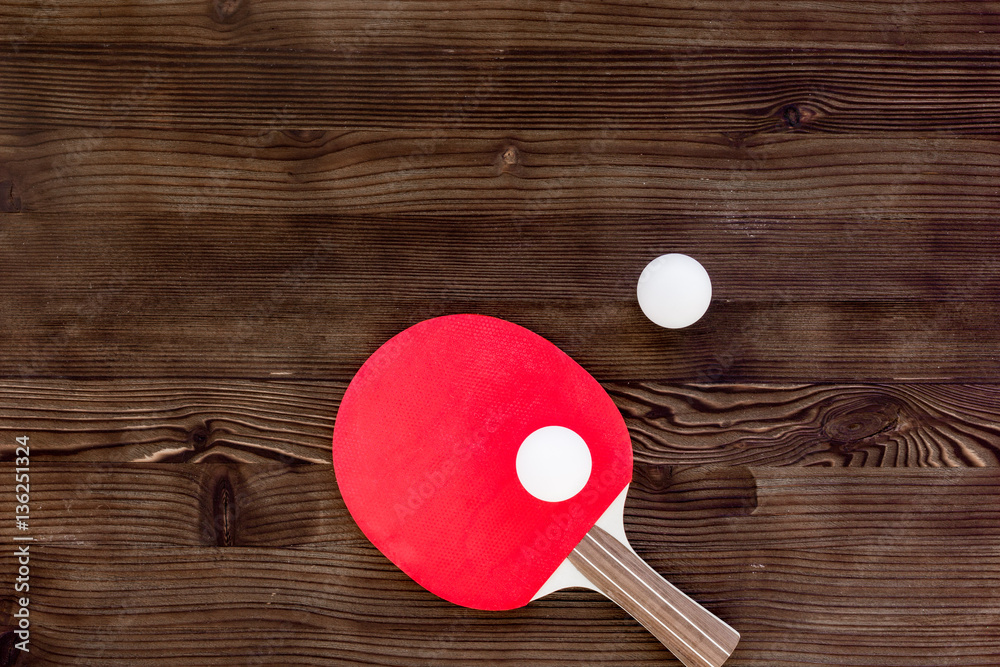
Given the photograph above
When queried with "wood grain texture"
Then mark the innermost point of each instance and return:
(706, 90)
(171, 420)
(796, 559)
(816, 425)
(870, 508)
(919, 425)
(322, 336)
(352, 24)
(93, 261)
(311, 297)
(512, 173)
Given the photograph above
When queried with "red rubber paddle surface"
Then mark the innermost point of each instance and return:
(424, 449)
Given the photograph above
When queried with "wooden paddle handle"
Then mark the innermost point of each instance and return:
(692, 633)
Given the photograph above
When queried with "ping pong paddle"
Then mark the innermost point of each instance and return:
(493, 469)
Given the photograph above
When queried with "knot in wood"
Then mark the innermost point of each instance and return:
(199, 437)
(226, 11)
(653, 477)
(794, 116)
(861, 418)
(10, 201)
(791, 116)
(223, 512)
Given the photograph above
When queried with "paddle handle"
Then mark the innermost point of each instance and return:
(692, 633)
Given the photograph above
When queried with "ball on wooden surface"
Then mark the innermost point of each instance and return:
(674, 290)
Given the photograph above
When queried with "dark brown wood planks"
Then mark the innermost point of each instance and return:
(194, 420)
(795, 558)
(167, 295)
(867, 181)
(101, 85)
(349, 25)
(195, 197)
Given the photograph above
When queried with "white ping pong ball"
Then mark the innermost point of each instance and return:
(553, 464)
(674, 290)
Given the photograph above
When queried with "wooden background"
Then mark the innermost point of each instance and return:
(212, 212)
